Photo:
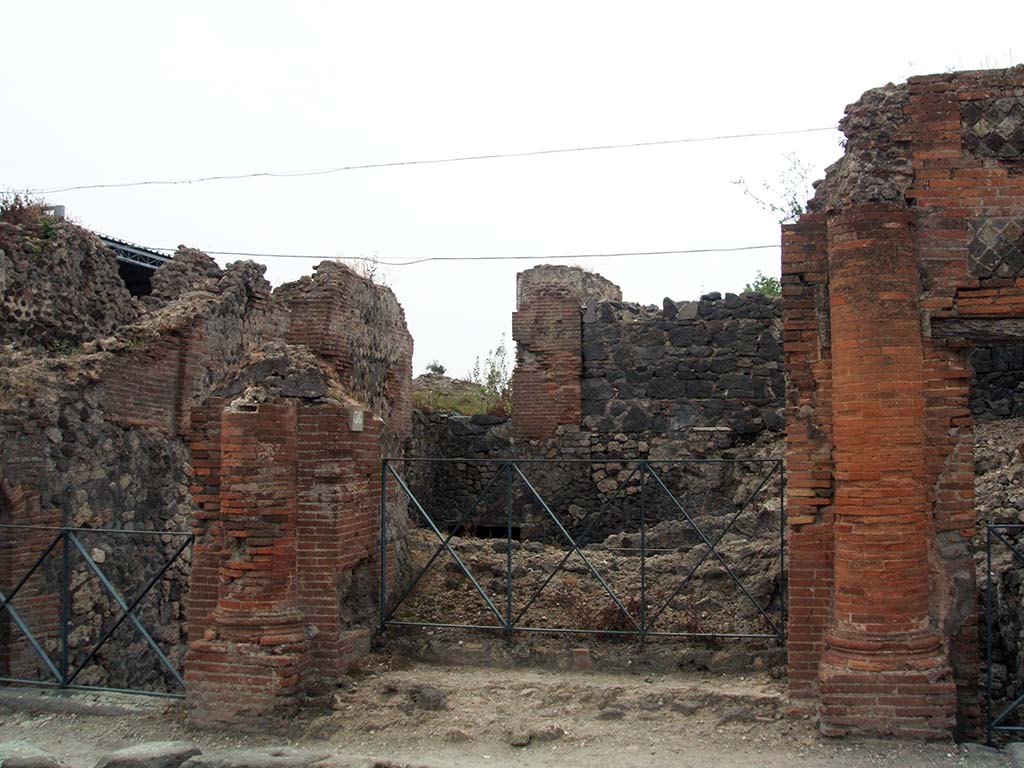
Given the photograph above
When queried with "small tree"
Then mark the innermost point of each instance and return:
(785, 201)
(435, 367)
(764, 284)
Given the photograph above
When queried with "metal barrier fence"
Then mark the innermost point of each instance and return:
(994, 722)
(638, 618)
(67, 543)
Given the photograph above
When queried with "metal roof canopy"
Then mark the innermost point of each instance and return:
(130, 253)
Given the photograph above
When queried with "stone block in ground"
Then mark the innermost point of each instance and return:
(521, 735)
(152, 754)
(366, 762)
(22, 754)
(265, 757)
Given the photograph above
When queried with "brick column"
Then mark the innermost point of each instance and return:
(338, 534)
(884, 671)
(808, 453)
(547, 328)
(549, 365)
(251, 660)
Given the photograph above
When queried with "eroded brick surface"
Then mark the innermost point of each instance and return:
(879, 457)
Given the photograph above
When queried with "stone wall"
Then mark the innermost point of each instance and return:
(709, 363)
(997, 384)
(95, 432)
(100, 428)
(906, 261)
(692, 379)
(59, 286)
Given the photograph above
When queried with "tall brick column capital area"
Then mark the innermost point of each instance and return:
(901, 264)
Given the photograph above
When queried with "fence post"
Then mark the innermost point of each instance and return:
(988, 635)
(65, 605)
(508, 555)
(643, 555)
(782, 555)
(383, 542)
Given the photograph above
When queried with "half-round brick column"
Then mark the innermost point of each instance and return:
(251, 660)
(884, 671)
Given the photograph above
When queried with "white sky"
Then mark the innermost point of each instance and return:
(94, 92)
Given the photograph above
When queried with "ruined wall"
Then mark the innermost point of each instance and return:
(95, 425)
(59, 286)
(690, 380)
(284, 576)
(360, 328)
(546, 329)
(907, 259)
(709, 363)
(95, 431)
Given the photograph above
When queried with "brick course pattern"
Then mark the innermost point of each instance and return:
(907, 232)
(549, 361)
(290, 497)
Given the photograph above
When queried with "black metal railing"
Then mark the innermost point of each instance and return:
(635, 618)
(67, 543)
(998, 534)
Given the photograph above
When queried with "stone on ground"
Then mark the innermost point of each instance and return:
(21, 754)
(265, 757)
(153, 754)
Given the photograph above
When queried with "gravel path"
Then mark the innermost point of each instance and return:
(460, 717)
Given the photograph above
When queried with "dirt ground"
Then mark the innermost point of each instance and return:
(470, 716)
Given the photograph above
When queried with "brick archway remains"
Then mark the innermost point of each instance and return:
(912, 250)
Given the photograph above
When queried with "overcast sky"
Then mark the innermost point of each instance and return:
(98, 92)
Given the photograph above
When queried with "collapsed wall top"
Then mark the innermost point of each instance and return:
(59, 285)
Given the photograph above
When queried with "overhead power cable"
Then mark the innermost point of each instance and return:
(433, 161)
(407, 263)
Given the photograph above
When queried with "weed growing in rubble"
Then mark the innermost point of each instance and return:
(63, 347)
(464, 400)
(494, 376)
(21, 208)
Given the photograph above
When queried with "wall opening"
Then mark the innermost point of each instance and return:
(138, 280)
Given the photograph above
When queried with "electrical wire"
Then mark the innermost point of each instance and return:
(551, 257)
(434, 161)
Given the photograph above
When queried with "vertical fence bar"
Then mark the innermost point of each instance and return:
(988, 635)
(383, 542)
(783, 581)
(508, 556)
(65, 605)
(643, 555)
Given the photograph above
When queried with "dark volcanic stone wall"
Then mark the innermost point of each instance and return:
(997, 388)
(691, 380)
(59, 286)
(712, 363)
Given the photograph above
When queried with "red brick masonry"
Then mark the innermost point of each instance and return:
(883, 626)
(290, 506)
